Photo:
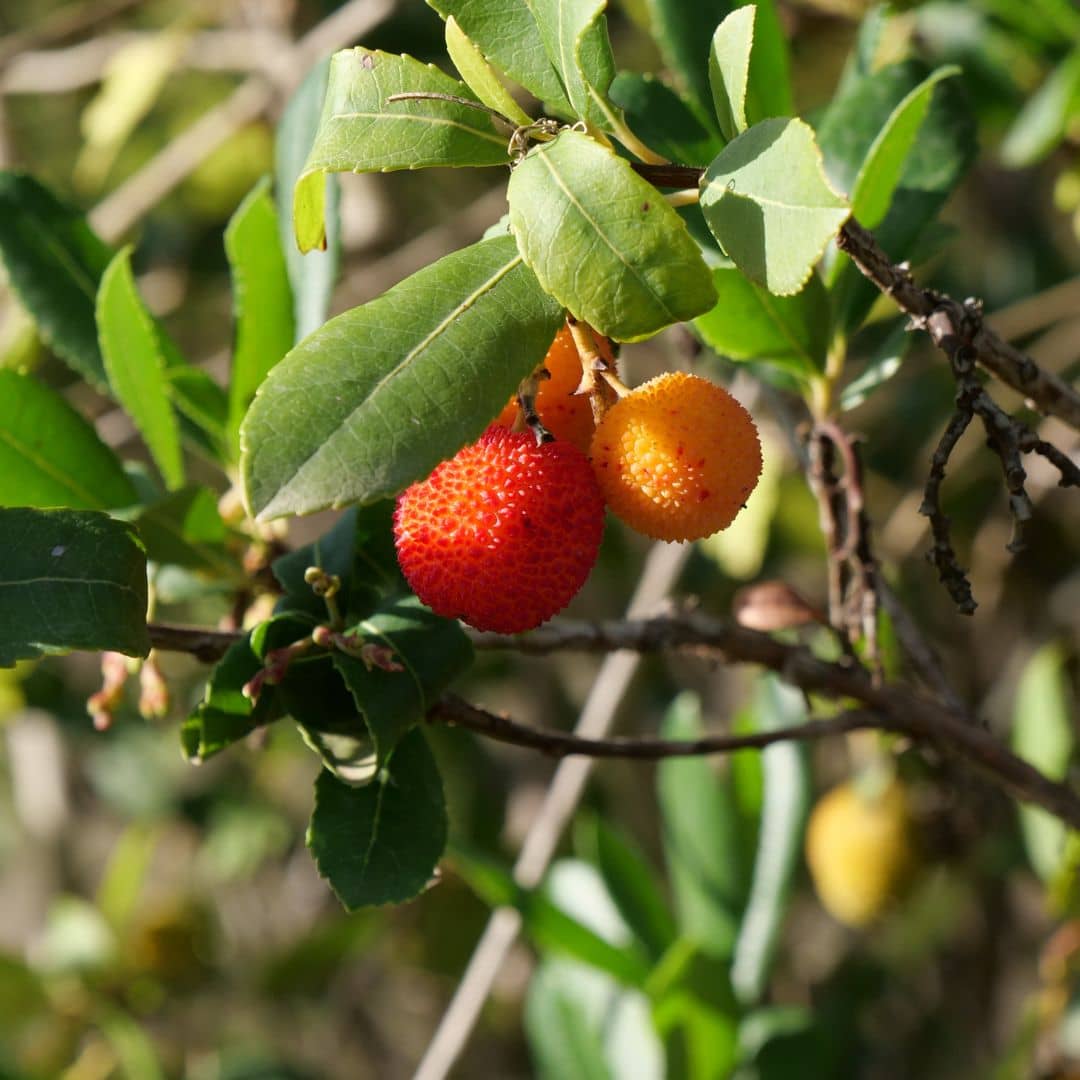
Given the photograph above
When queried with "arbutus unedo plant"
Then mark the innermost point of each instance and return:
(473, 422)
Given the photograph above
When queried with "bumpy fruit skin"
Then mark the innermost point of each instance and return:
(504, 533)
(859, 849)
(567, 417)
(677, 458)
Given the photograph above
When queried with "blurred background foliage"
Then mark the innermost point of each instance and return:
(166, 921)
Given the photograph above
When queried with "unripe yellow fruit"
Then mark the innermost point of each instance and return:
(677, 458)
(860, 850)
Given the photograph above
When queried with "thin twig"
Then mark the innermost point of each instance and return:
(459, 713)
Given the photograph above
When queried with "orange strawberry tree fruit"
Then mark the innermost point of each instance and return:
(635, 206)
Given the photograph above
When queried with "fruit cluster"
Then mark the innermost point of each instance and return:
(505, 533)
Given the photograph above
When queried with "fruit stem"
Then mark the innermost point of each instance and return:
(603, 394)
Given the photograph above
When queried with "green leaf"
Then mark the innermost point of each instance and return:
(262, 301)
(380, 844)
(479, 75)
(603, 241)
(574, 33)
(507, 34)
(54, 262)
(631, 883)
(360, 131)
(313, 275)
(695, 1012)
(225, 715)
(766, 200)
(202, 405)
(749, 323)
(50, 455)
(787, 789)
(884, 164)
(1043, 736)
(663, 120)
(682, 31)
(1046, 116)
(729, 69)
(768, 91)
(136, 366)
(701, 843)
(383, 393)
(184, 528)
(70, 579)
(881, 365)
(431, 650)
(944, 149)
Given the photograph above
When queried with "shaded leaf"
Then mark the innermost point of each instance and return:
(768, 92)
(54, 262)
(663, 120)
(311, 275)
(766, 200)
(262, 301)
(682, 31)
(184, 528)
(135, 365)
(880, 174)
(750, 323)
(787, 790)
(432, 652)
(480, 76)
(882, 364)
(603, 241)
(50, 455)
(380, 844)
(360, 131)
(70, 579)
(381, 394)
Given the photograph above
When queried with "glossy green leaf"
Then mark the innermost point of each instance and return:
(262, 301)
(884, 164)
(479, 75)
(136, 366)
(430, 651)
(202, 406)
(766, 200)
(54, 262)
(787, 790)
(507, 34)
(729, 69)
(70, 579)
(663, 120)
(603, 241)
(701, 843)
(312, 275)
(1045, 117)
(574, 33)
(750, 323)
(380, 844)
(50, 455)
(360, 131)
(682, 31)
(184, 528)
(1043, 736)
(383, 393)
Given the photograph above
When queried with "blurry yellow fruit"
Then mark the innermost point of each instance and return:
(859, 849)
